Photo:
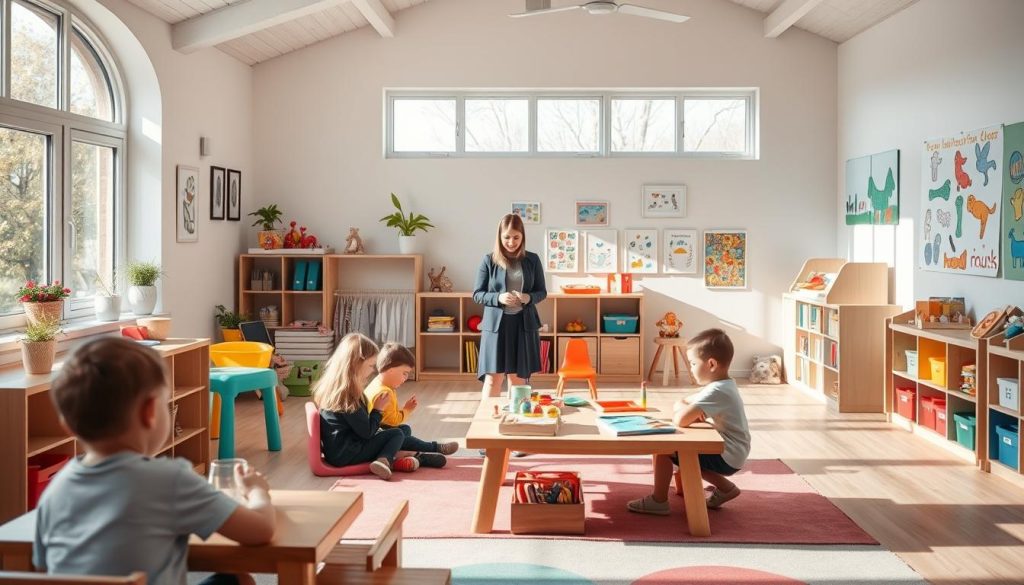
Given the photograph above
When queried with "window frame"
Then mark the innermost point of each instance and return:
(749, 95)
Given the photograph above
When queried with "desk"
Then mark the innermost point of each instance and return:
(309, 525)
(579, 436)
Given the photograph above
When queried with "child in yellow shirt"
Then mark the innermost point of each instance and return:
(394, 364)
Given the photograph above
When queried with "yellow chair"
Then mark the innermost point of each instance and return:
(237, 354)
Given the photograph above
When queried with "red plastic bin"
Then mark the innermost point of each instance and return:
(905, 403)
(41, 469)
(940, 415)
(927, 412)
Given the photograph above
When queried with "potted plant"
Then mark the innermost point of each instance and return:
(43, 302)
(407, 226)
(267, 217)
(107, 302)
(141, 278)
(228, 321)
(39, 345)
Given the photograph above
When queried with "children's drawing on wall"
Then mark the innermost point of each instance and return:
(529, 211)
(873, 189)
(663, 201)
(591, 213)
(562, 251)
(641, 247)
(602, 251)
(962, 198)
(680, 251)
(1012, 234)
(725, 258)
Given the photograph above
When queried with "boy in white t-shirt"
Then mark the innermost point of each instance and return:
(719, 403)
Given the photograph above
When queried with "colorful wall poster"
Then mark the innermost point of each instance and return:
(602, 251)
(641, 249)
(961, 198)
(873, 189)
(680, 254)
(1013, 202)
(725, 258)
(529, 211)
(562, 250)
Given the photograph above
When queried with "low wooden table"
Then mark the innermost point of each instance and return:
(579, 436)
(309, 525)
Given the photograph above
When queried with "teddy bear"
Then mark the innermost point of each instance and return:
(353, 243)
(766, 370)
(440, 282)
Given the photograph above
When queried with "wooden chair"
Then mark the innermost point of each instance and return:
(576, 366)
(19, 578)
(385, 551)
(676, 347)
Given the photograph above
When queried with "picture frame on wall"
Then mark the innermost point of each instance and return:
(725, 259)
(234, 195)
(561, 250)
(663, 201)
(640, 251)
(591, 213)
(602, 251)
(681, 252)
(186, 202)
(218, 180)
(529, 211)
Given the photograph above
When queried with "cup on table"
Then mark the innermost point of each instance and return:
(226, 476)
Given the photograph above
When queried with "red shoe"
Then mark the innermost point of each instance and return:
(406, 464)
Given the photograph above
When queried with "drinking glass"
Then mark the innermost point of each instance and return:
(225, 476)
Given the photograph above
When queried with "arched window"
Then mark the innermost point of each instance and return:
(62, 139)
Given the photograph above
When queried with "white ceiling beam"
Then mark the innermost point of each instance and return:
(239, 20)
(786, 15)
(378, 16)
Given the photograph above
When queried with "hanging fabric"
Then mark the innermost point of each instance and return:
(383, 316)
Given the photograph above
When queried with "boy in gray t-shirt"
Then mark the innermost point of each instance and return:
(116, 509)
(719, 403)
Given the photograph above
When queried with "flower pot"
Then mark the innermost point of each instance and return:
(271, 240)
(108, 308)
(48, 311)
(409, 244)
(37, 356)
(231, 334)
(142, 299)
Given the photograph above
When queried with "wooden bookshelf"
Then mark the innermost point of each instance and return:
(29, 424)
(832, 336)
(1005, 360)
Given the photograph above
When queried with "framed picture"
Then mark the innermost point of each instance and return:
(217, 182)
(591, 213)
(680, 255)
(528, 210)
(725, 258)
(641, 251)
(234, 193)
(185, 204)
(561, 250)
(602, 251)
(664, 201)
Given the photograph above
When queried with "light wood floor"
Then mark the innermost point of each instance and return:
(949, 521)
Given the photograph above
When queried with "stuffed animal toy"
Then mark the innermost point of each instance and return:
(440, 282)
(669, 325)
(353, 243)
(766, 370)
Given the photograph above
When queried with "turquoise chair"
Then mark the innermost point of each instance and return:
(230, 381)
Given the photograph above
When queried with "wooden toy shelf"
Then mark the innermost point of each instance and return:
(1005, 360)
(832, 335)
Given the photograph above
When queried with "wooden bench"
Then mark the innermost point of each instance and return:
(356, 575)
(385, 551)
(19, 578)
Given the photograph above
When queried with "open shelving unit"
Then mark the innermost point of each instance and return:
(833, 334)
(1005, 360)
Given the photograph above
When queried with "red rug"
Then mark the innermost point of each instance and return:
(776, 506)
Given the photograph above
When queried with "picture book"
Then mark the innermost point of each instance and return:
(622, 426)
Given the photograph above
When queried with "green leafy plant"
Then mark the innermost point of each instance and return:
(31, 292)
(138, 273)
(44, 330)
(407, 225)
(267, 216)
(229, 319)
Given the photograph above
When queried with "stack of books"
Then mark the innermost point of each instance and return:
(303, 344)
(440, 324)
(472, 351)
(623, 426)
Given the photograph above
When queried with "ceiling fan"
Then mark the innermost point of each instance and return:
(534, 7)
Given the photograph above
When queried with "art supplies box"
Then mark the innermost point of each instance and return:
(629, 425)
(548, 502)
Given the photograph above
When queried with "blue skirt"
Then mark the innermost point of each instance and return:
(509, 350)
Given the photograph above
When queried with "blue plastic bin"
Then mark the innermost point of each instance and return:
(1009, 444)
(614, 323)
(965, 429)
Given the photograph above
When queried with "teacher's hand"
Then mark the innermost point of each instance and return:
(524, 298)
(508, 299)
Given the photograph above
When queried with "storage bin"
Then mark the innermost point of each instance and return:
(912, 363)
(927, 412)
(620, 355)
(617, 323)
(539, 518)
(965, 429)
(940, 415)
(1009, 444)
(41, 469)
(938, 368)
(905, 403)
(1009, 392)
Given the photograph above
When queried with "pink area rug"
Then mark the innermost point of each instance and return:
(776, 506)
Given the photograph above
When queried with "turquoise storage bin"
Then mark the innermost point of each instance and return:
(615, 323)
(1009, 444)
(965, 429)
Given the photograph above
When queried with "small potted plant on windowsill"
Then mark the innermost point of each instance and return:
(39, 345)
(141, 278)
(229, 321)
(43, 302)
(267, 217)
(406, 226)
(107, 300)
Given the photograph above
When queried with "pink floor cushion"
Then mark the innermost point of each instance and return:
(316, 460)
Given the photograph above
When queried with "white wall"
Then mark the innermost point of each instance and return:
(318, 140)
(932, 70)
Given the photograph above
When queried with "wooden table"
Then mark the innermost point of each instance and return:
(579, 436)
(309, 525)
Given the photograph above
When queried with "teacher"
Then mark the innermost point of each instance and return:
(509, 284)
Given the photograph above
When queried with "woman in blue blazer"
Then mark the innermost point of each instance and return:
(509, 284)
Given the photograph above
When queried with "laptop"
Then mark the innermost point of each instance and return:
(255, 331)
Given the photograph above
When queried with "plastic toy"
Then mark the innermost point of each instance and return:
(293, 238)
(473, 323)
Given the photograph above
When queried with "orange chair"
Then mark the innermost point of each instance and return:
(576, 366)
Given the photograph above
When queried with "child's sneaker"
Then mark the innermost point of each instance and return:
(448, 448)
(406, 464)
(648, 505)
(718, 497)
(380, 469)
(435, 460)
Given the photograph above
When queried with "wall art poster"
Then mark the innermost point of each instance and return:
(1013, 202)
(725, 258)
(529, 211)
(873, 189)
(186, 204)
(680, 253)
(562, 250)
(602, 251)
(641, 251)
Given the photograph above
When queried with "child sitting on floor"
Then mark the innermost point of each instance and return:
(719, 402)
(350, 431)
(394, 363)
(116, 509)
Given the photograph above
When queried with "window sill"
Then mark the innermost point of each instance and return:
(75, 329)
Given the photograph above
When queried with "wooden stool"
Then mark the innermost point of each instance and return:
(676, 346)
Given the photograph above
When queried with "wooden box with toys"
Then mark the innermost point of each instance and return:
(941, 313)
(548, 502)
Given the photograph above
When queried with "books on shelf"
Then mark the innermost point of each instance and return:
(440, 324)
(545, 356)
(622, 426)
(472, 351)
(833, 324)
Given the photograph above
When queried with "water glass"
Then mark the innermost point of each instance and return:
(225, 476)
